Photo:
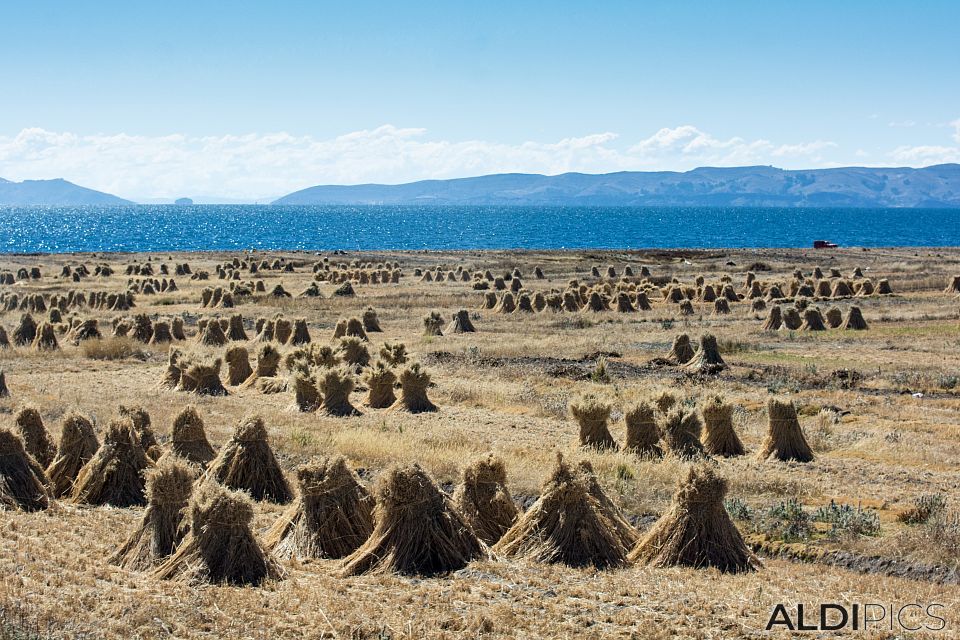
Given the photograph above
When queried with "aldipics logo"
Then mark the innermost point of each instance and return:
(866, 616)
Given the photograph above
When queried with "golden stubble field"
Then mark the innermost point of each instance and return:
(880, 448)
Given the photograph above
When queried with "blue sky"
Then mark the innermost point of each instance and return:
(257, 99)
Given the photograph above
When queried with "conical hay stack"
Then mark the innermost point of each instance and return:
(954, 286)
(352, 351)
(78, 444)
(570, 301)
(720, 438)
(595, 303)
(812, 320)
(4, 339)
(506, 304)
(791, 319)
(643, 435)
(171, 377)
(785, 440)
(300, 334)
(681, 352)
(238, 365)
(189, 438)
(841, 289)
(416, 531)
(707, 359)
(708, 294)
(567, 524)
(354, 328)
(591, 415)
(721, 306)
(697, 530)
(306, 396)
(681, 433)
(23, 485)
(643, 302)
(4, 391)
(46, 338)
(161, 333)
(371, 323)
(220, 547)
(114, 475)
(884, 288)
(834, 317)
(627, 535)
(414, 382)
(236, 331)
(176, 328)
(433, 324)
(159, 532)
(483, 500)
(539, 301)
(461, 323)
(623, 303)
(524, 304)
(335, 385)
(775, 319)
(142, 329)
(266, 332)
(36, 439)
(331, 518)
(380, 380)
(489, 300)
(212, 335)
(854, 320)
(247, 462)
(201, 376)
(268, 361)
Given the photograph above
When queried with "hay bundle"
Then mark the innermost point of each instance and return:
(697, 530)
(220, 547)
(707, 359)
(26, 331)
(161, 333)
(272, 385)
(625, 532)
(235, 331)
(37, 440)
(708, 294)
(567, 524)
(883, 288)
(416, 529)
(433, 324)
(380, 380)
(176, 328)
(623, 303)
(354, 328)
(483, 500)
(721, 306)
(266, 331)
(114, 475)
(774, 319)
(791, 319)
(414, 382)
(279, 292)
(332, 517)
(591, 415)
(142, 328)
(238, 365)
(352, 351)
(188, 438)
(306, 396)
(756, 292)
(595, 303)
(664, 401)
(681, 433)
(506, 304)
(300, 334)
(681, 352)
(643, 435)
(173, 373)
(159, 532)
(834, 317)
(345, 290)
(4, 391)
(247, 462)
(78, 444)
(489, 300)
(335, 385)
(461, 323)
(524, 304)
(4, 340)
(812, 320)
(141, 427)
(841, 289)
(268, 361)
(954, 286)
(46, 338)
(720, 438)
(371, 323)
(854, 320)
(201, 376)
(23, 485)
(785, 440)
(212, 334)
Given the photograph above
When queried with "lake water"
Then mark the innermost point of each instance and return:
(326, 228)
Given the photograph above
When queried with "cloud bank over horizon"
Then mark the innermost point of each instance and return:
(264, 166)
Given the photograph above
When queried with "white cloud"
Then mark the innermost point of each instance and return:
(257, 166)
(925, 155)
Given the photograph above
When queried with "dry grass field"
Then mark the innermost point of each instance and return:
(874, 518)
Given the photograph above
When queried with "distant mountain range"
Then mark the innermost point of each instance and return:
(936, 186)
(52, 192)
